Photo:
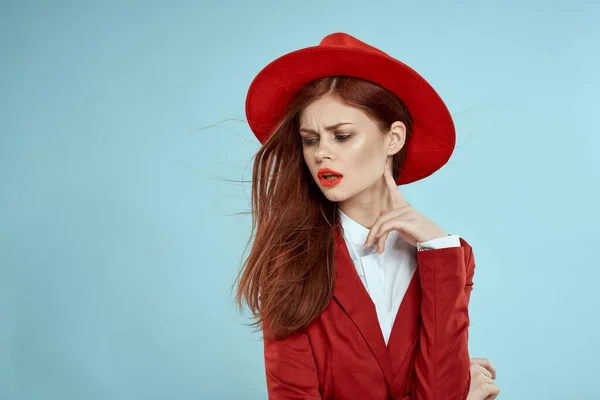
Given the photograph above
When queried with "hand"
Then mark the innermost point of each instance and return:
(413, 226)
(482, 385)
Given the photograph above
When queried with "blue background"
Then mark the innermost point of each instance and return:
(122, 124)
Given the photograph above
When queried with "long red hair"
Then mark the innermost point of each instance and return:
(289, 276)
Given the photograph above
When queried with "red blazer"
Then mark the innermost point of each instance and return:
(342, 354)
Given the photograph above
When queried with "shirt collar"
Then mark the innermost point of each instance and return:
(356, 234)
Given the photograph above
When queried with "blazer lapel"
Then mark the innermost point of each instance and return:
(407, 323)
(356, 302)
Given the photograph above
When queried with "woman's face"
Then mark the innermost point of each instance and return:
(345, 140)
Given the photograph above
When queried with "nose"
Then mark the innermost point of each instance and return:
(322, 151)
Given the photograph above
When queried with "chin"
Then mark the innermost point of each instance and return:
(335, 199)
(335, 195)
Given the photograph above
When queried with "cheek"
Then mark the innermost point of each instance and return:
(367, 161)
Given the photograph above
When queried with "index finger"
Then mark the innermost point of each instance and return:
(485, 363)
(398, 199)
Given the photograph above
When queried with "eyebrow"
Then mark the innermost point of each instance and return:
(327, 128)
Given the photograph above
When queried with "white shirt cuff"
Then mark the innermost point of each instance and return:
(440, 243)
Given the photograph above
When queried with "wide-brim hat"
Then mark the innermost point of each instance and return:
(273, 89)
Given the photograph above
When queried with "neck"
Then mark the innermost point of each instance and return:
(366, 206)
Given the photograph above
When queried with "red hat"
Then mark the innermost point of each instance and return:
(273, 89)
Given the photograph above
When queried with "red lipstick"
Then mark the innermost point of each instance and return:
(329, 177)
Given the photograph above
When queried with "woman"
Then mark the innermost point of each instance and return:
(358, 294)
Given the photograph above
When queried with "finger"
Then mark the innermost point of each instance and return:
(373, 234)
(382, 238)
(491, 391)
(377, 228)
(381, 242)
(476, 368)
(405, 224)
(398, 199)
(376, 231)
(486, 391)
(484, 362)
(405, 227)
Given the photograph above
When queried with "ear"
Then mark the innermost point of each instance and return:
(398, 138)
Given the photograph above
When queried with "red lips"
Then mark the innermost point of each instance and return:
(323, 172)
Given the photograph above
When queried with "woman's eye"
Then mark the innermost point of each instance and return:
(341, 138)
(308, 142)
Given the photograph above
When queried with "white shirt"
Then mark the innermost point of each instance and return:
(386, 276)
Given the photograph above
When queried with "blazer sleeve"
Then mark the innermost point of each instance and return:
(442, 362)
(290, 368)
